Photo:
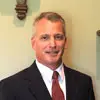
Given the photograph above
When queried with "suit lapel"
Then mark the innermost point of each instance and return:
(36, 84)
(38, 88)
(70, 84)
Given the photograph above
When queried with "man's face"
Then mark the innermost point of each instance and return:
(49, 42)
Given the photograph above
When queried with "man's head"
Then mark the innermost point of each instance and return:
(51, 16)
(49, 39)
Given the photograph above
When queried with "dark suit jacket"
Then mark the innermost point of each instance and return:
(29, 85)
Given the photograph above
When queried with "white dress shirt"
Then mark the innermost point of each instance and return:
(47, 73)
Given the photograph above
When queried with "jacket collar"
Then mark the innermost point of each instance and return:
(38, 88)
(36, 84)
(71, 87)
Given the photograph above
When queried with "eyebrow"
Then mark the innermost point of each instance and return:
(54, 33)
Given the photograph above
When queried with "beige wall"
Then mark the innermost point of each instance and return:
(82, 18)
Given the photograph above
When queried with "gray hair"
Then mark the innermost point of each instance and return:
(51, 16)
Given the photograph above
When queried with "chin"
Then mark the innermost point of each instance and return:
(53, 61)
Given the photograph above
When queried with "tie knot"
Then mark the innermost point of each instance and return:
(55, 75)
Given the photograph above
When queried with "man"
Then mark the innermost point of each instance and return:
(35, 82)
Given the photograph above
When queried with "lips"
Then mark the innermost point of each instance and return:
(52, 52)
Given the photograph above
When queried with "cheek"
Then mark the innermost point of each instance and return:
(40, 46)
(61, 45)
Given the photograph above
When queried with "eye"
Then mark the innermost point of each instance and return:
(44, 37)
(59, 37)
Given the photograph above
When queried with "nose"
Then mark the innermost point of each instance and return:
(52, 43)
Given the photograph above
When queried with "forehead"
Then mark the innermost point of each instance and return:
(45, 25)
(46, 21)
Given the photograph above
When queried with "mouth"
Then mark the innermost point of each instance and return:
(52, 52)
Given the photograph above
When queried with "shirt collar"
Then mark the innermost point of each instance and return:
(47, 72)
(60, 70)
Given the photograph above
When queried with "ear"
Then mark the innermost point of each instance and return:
(66, 45)
(33, 42)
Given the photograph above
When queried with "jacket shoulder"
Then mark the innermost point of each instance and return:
(76, 74)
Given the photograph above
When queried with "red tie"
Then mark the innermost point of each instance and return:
(57, 93)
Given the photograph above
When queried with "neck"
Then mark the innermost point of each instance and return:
(52, 66)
